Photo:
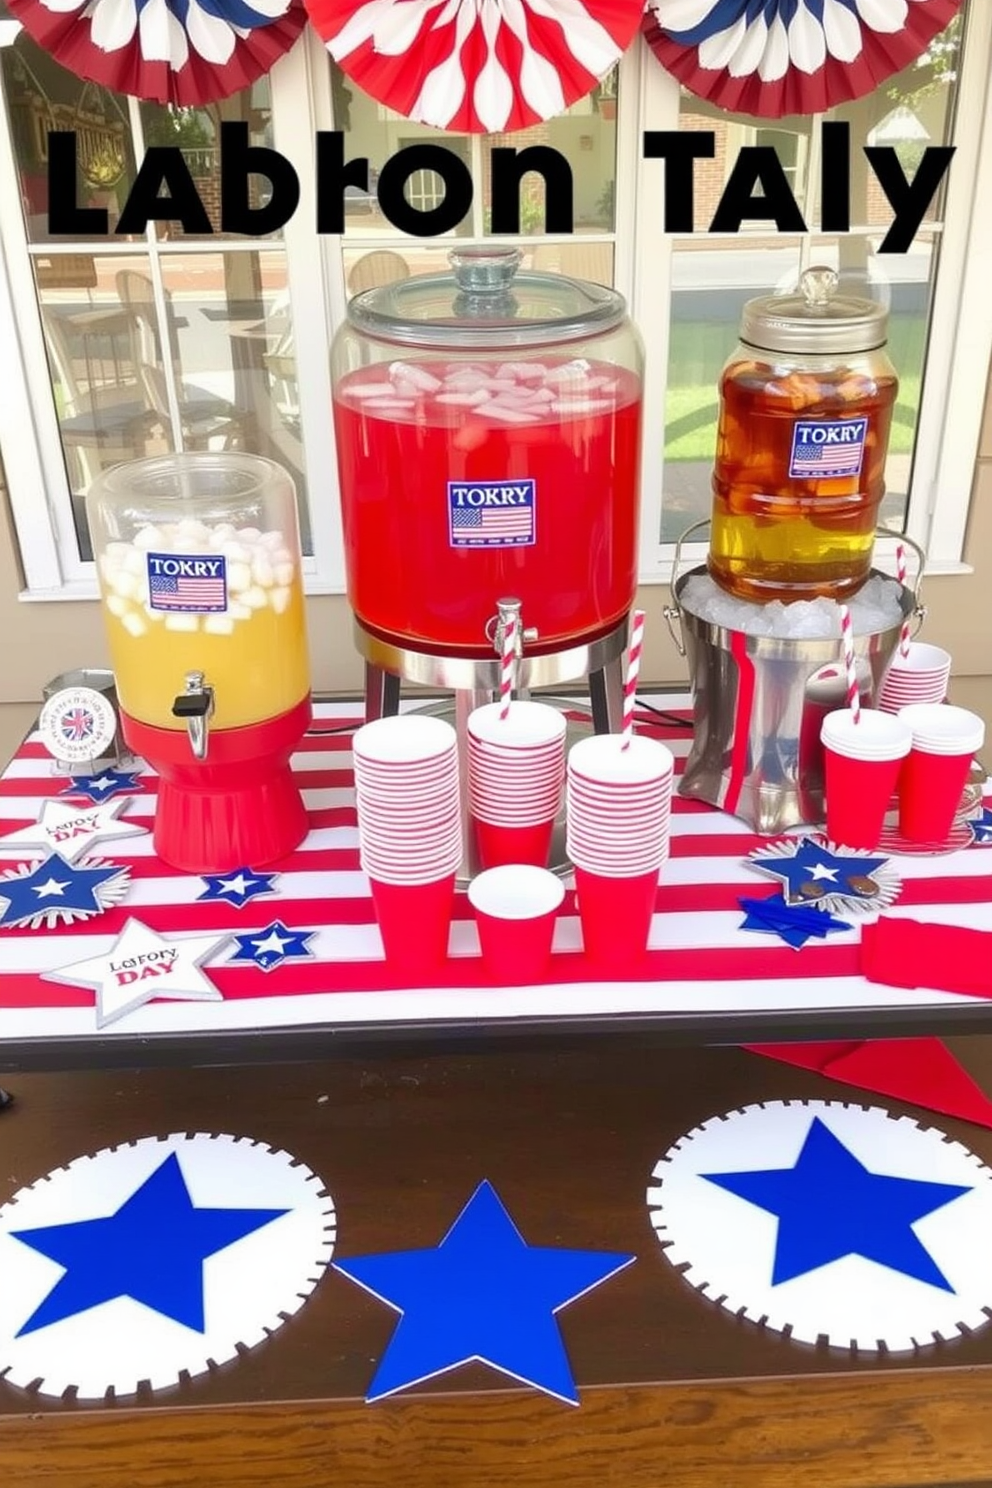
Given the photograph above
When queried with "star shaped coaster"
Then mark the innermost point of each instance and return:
(155, 1261)
(54, 891)
(141, 966)
(830, 878)
(237, 888)
(273, 946)
(483, 1294)
(100, 788)
(73, 830)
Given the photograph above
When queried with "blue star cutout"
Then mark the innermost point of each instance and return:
(237, 888)
(482, 1295)
(53, 884)
(794, 923)
(100, 788)
(830, 1206)
(274, 945)
(151, 1250)
(814, 864)
(981, 830)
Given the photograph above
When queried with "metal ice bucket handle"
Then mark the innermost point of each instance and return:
(673, 612)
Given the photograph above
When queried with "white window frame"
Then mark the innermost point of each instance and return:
(954, 375)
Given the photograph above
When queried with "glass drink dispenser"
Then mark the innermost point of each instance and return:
(806, 403)
(199, 567)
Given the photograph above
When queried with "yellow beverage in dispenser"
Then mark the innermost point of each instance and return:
(252, 648)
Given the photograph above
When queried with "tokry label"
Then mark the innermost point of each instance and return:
(827, 449)
(191, 582)
(492, 514)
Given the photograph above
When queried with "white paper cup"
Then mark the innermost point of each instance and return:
(939, 728)
(528, 725)
(602, 759)
(406, 739)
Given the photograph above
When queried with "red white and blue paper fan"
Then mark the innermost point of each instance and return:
(775, 57)
(184, 52)
(482, 66)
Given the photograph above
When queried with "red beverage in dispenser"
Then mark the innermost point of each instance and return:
(460, 483)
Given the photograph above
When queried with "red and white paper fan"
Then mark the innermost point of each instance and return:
(185, 52)
(776, 57)
(483, 66)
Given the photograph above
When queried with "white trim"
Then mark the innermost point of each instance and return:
(956, 369)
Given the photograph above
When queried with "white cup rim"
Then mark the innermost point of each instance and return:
(394, 740)
(528, 725)
(516, 891)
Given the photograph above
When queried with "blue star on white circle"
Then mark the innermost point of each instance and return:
(832, 1220)
(148, 1261)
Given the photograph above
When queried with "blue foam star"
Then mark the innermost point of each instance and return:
(981, 830)
(483, 1294)
(152, 1250)
(795, 924)
(830, 1206)
(100, 788)
(53, 884)
(272, 946)
(813, 863)
(237, 888)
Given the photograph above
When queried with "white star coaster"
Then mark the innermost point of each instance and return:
(73, 830)
(141, 966)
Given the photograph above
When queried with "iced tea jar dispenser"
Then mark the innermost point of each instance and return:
(198, 557)
(488, 425)
(805, 406)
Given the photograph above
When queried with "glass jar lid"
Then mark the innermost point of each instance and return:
(816, 321)
(485, 302)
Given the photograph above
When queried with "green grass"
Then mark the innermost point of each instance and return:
(698, 350)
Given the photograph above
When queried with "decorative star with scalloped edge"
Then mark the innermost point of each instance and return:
(53, 891)
(830, 878)
(151, 1249)
(829, 1205)
(237, 888)
(272, 946)
(142, 966)
(482, 1295)
(100, 788)
(74, 830)
(981, 829)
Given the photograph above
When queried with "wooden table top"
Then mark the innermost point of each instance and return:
(672, 1388)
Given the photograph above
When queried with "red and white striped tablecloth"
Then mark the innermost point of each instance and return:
(700, 961)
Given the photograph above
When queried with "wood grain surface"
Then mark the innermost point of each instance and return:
(674, 1391)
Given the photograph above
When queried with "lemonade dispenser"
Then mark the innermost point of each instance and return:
(199, 567)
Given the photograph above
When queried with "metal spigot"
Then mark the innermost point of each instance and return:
(195, 705)
(496, 627)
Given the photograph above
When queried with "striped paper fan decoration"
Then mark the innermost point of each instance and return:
(481, 66)
(775, 57)
(183, 52)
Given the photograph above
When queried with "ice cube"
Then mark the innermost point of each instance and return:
(463, 400)
(406, 390)
(239, 611)
(579, 406)
(117, 605)
(364, 390)
(508, 415)
(218, 625)
(146, 538)
(390, 405)
(249, 535)
(279, 600)
(419, 376)
(182, 621)
(236, 552)
(261, 571)
(568, 372)
(283, 574)
(134, 624)
(255, 599)
(190, 530)
(134, 562)
(275, 542)
(238, 577)
(126, 585)
(500, 384)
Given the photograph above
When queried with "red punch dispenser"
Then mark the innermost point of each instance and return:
(200, 574)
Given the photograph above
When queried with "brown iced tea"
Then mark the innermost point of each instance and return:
(799, 477)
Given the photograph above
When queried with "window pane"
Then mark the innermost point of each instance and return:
(372, 130)
(196, 131)
(41, 96)
(232, 347)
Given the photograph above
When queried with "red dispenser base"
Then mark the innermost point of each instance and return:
(239, 807)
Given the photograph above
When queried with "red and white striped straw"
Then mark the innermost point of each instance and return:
(853, 692)
(901, 576)
(508, 659)
(633, 669)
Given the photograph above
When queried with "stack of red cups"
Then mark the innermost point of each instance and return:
(516, 771)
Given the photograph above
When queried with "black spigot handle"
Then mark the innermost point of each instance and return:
(191, 705)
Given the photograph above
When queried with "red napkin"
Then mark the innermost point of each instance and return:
(914, 953)
(920, 1071)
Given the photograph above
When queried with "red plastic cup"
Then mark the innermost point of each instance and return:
(616, 915)
(515, 909)
(863, 760)
(415, 921)
(945, 741)
(497, 846)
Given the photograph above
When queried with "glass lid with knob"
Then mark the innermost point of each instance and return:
(817, 320)
(486, 301)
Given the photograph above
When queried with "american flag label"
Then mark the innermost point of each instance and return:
(194, 582)
(492, 514)
(827, 449)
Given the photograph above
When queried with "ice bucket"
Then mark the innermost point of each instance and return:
(758, 703)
